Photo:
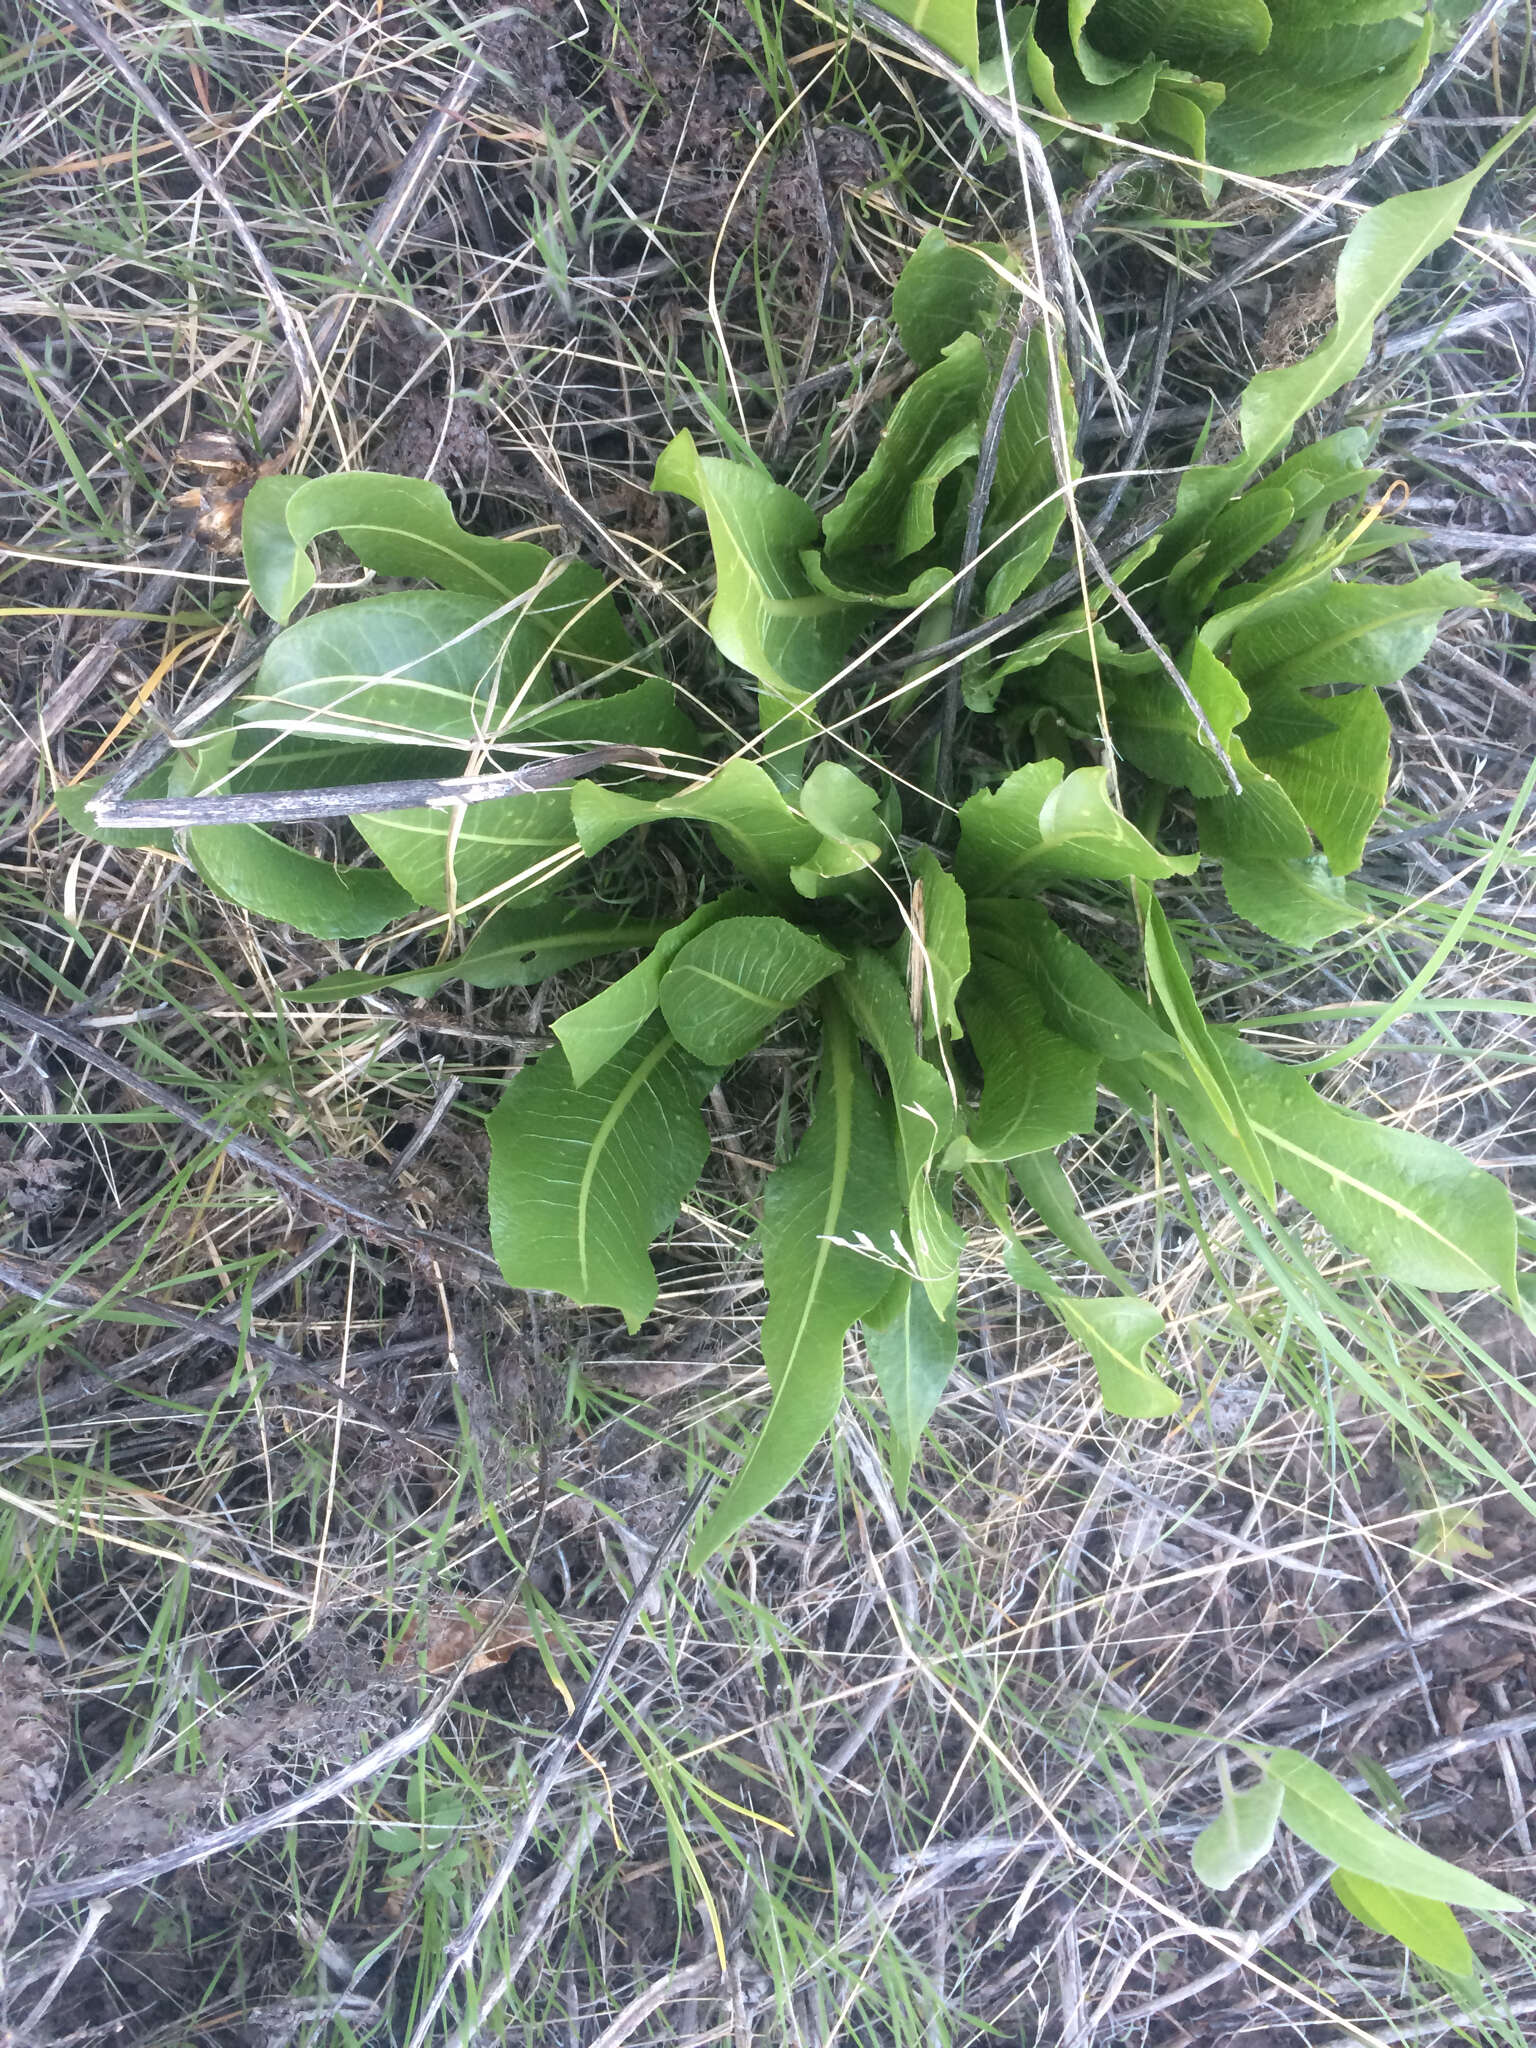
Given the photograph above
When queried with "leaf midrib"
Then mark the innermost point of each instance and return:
(598, 1145)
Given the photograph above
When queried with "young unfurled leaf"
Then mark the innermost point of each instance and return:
(516, 947)
(1298, 902)
(766, 616)
(1338, 781)
(1037, 828)
(841, 1187)
(1236, 534)
(1207, 1061)
(912, 1352)
(888, 511)
(927, 1114)
(1069, 81)
(940, 958)
(603, 1025)
(1240, 1836)
(947, 289)
(725, 987)
(753, 825)
(401, 526)
(846, 812)
(1335, 1824)
(583, 1180)
(1038, 1088)
(1426, 1927)
(1080, 1000)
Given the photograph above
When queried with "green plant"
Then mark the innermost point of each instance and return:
(964, 1033)
(1250, 88)
(1391, 1885)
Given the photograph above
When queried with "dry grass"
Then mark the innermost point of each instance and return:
(882, 1778)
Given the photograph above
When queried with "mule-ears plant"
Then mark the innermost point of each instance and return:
(964, 1032)
(1221, 687)
(1258, 89)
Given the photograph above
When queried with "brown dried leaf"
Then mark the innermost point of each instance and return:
(488, 1628)
(32, 1753)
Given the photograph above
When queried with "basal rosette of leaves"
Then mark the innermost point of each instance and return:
(1260, 87)
(963, 1030)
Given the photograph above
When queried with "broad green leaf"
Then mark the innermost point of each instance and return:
(1026, 510)
(950, 24)
(263, 874)
(278, 570)
(514, 948)
(766, 616)
(1080, 999)
(1156, 730)
(726, 986)
(1236, 535)
(1043, 1182)
(860, 581)
(1316, 97)
(401, 526)
(1037, 828)
(912, 1352)
(1416, 1209)
(888, 511)
(1298, 902)
(1426, 1927)
(1115, 1331)
(944, 959)
(753, 825)
(419, 670)
(455, 855)
(1207, 1061)
(603, 1025)
(1202, 35)
(1333, 633)
(947, 289)
(927, 1115)
(1260, 825)
(1338, 781)
(1335, 1824)
(1384, 246)
(71, 800)
(1240, 1836)
(648, 715)
(583, 1180)
(838, 1191)
(1039, 1088)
